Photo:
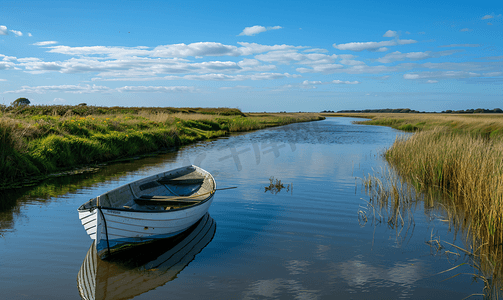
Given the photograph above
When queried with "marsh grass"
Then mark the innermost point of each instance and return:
(469, 172)
(392, 201)
(483, 125)
(462, 172)
(40, 140)
(275, 186)
(454, 162)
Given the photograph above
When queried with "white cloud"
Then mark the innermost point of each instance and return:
(405, 42)
(307, 82)
(269, 76)
(195, 49)
(4, 65)
(155, 89)
(254, 65)
(74, 89)
(86, 89)
(492, 74)
(209, 77)
(357, 46)
(465, 29)
(59, 100)
(29, 34)
(45, 43)
(237, 87)
(17, 33)
(215, 65)
(390, 33)
(364, 69)
(100, 50)
(38, 67)
(493, 57)
(487, 17)
(311, 84)
(3, 30)
(398, 56)
(351, 62)
(466, 66)
(372, 46)
(460, 45)
(432, 81)
(325, 68)
(246, 61)
(316, 50)
(345, 82)
(130, 67)
(253, 30)
(441, 75)
(288, 56)
(7, 58)
(254, 48)
(3, 79)
(250, 31)
(213, 77)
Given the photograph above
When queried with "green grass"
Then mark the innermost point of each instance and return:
(39, 140)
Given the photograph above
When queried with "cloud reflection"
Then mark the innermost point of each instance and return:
(273, 288)
(363, 276)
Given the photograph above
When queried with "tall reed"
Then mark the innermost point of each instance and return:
(468, 170)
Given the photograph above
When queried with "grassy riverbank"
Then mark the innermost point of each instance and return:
(461, 158)
(36, 141)
(476, 125)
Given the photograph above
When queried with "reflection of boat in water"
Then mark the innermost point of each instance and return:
(155, 207)
(143, 268)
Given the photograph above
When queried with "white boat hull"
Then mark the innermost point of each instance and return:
(115, 229)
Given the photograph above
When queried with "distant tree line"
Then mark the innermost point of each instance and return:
(474, 111)
(407, 110)
(21, 106)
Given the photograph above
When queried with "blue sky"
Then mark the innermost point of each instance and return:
(255, 55)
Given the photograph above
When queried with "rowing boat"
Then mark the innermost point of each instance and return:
(159, 206)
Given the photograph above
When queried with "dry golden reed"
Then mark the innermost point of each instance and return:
(486, 125)
(454, 162)
(468, 170)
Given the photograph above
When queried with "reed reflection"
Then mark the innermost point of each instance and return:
(143, 268)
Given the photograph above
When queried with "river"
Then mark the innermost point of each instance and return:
(303, 241)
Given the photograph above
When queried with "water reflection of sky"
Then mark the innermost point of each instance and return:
(304, 244)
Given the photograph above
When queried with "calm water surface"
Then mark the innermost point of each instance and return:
(304, 243)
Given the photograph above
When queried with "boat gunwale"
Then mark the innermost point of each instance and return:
(149, 211)
(212, 193)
